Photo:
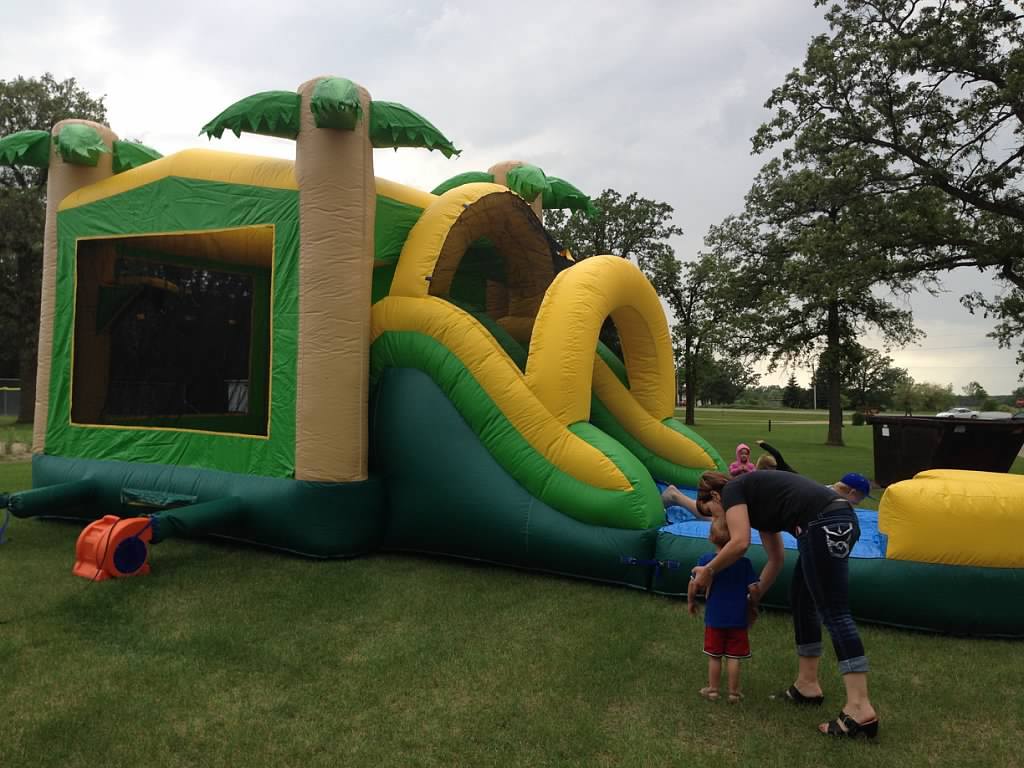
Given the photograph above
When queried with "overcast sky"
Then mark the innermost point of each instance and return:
(658, 98)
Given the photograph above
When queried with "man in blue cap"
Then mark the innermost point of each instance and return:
(854, 487)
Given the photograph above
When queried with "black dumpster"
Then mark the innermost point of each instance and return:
(906, 445)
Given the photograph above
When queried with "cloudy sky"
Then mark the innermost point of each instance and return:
(659, 99)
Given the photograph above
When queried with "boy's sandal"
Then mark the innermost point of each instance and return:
(711, 694)
(793, 696)
(735, 698)
(844, 725)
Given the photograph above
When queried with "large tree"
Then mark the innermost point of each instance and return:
(632, 227)
(806, 256)
(701, 308)
(30, 104)
(934, 92)
(725, 379)
(870, 381)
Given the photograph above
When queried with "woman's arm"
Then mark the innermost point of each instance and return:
(738, 520)
(773, 547)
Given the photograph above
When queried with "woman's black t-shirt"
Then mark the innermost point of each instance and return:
(777, 501)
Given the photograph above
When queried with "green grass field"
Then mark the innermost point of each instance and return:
(234, 656)
(799, 435)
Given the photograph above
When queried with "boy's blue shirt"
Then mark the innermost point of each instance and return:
(726, 608)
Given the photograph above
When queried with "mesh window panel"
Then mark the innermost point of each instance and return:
(180, 343)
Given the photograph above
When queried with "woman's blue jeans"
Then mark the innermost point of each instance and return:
(819, 592)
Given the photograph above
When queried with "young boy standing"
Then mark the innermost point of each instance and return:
(726, 618)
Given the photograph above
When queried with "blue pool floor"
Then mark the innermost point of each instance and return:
(872, 543)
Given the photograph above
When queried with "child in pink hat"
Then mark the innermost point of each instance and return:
(743, 464)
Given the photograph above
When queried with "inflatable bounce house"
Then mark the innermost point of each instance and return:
(303, 356)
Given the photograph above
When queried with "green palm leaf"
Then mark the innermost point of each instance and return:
(469, 177)
(395, 125)
(129, 154)
(270, 113)
(562, 194)
(80, 144)
(335, 104)
(527, 181)
(26, 148)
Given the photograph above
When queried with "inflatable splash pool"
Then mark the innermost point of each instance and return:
(942, 554)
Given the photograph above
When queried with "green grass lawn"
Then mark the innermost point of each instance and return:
(235, 656)
(797, 434)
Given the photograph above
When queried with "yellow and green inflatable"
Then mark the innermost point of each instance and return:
(301, 355)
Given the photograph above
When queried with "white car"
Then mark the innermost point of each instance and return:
(958, 413)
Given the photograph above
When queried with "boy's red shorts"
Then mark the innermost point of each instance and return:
(732, 642)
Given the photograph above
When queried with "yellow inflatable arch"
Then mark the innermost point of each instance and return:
(560, 366)
(458, 218)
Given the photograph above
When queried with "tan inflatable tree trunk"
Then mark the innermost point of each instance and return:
(63, 179)
(500, 173)
(337, 205)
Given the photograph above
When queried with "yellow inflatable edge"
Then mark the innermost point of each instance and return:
(226, 167)
(560, 367)
(955, 517)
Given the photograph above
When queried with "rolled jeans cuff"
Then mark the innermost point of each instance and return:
(856, 664)
(809, 649)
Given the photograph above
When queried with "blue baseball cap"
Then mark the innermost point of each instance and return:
(858, 482)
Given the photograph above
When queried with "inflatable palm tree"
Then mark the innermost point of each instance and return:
(335, 125)
(75, 153)
(529, 182)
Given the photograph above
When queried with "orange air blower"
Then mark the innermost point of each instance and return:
(113, 547)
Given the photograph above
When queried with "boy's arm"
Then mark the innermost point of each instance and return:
(738, 520)
(753, 601)
(691, 597)
(779, 461)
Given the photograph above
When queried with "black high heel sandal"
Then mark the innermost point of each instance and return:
(844, 725)
(792, 695)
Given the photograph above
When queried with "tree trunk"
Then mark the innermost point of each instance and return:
(691, 395)
(691, 381)
(27, 374)
(29, 268)
(835, 404)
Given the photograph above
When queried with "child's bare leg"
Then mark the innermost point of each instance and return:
(733, 669)
(714, 678)
(673, 497)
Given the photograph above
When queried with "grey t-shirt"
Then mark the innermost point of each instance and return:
(778, 501)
